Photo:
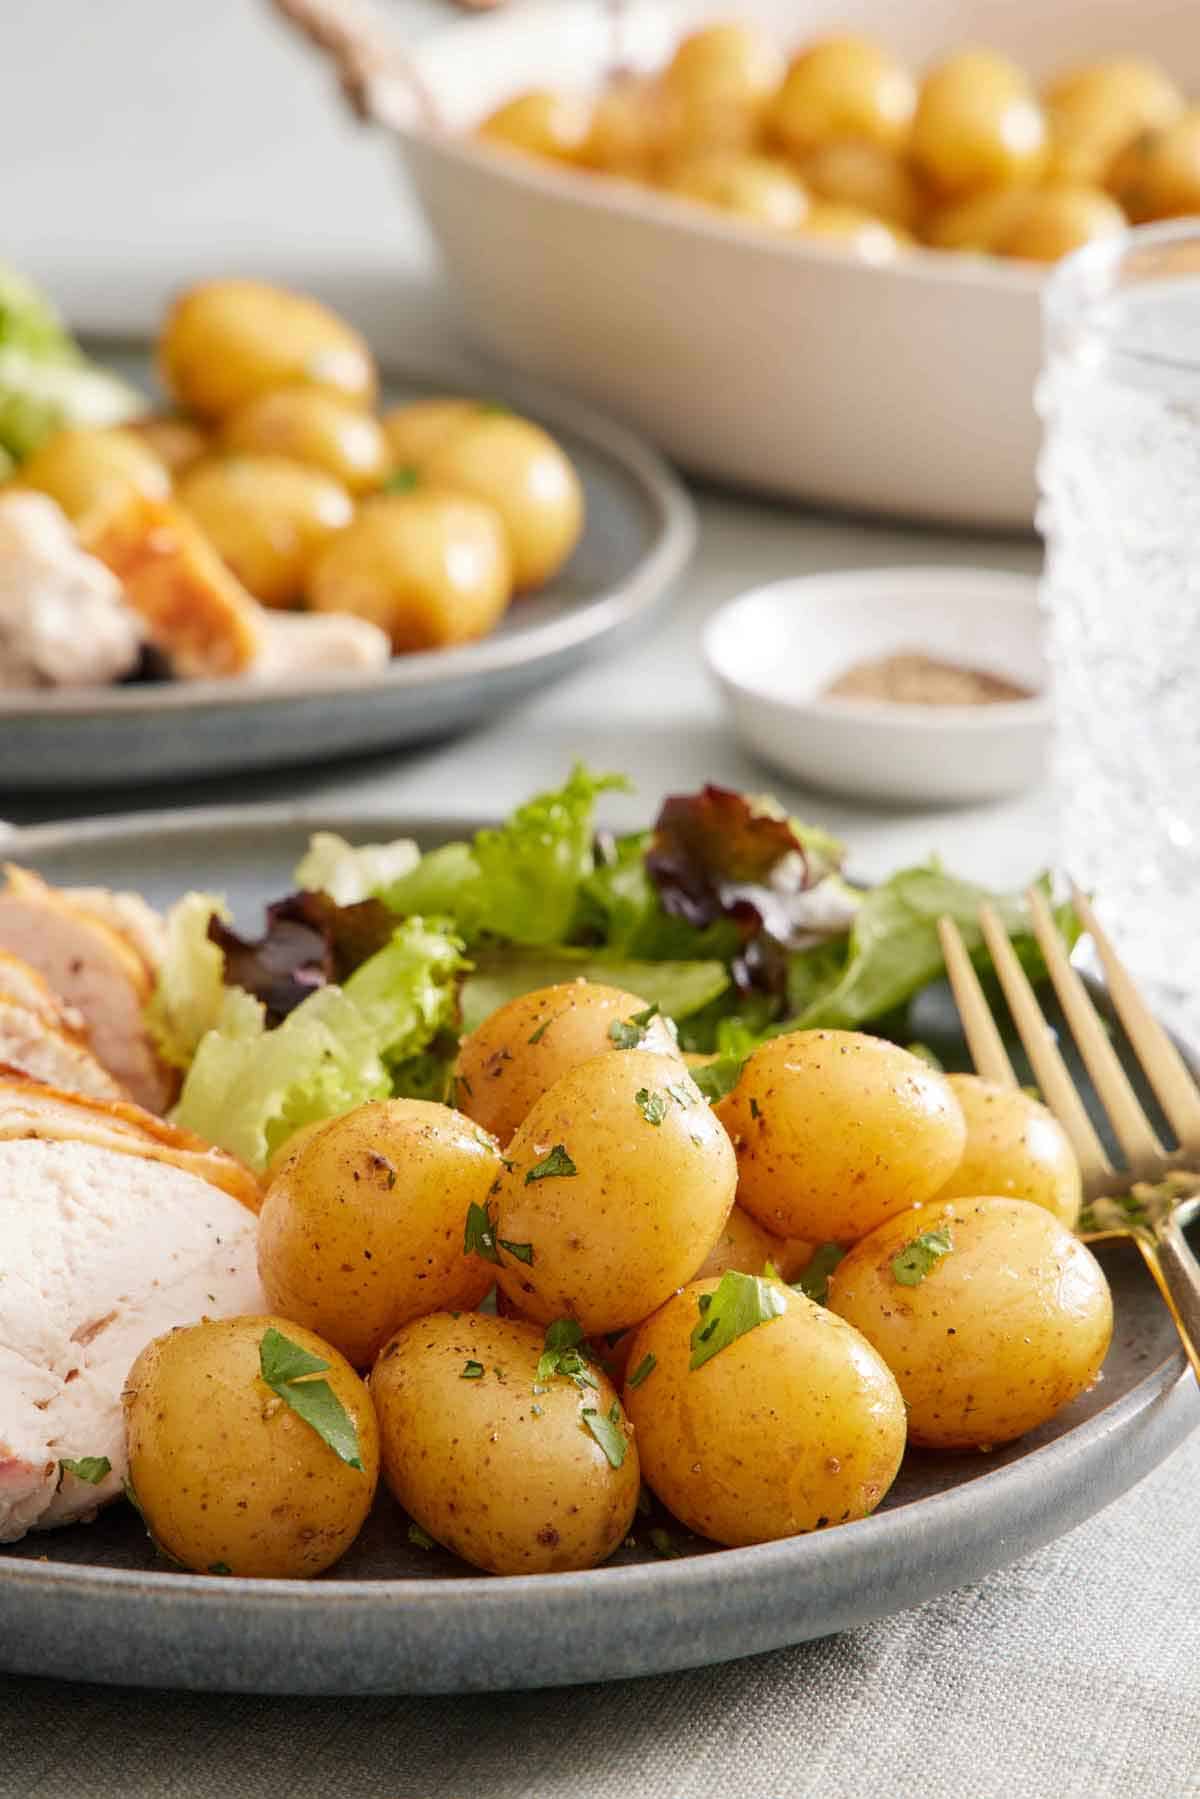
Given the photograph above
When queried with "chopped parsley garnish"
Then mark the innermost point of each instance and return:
(472, 1371)
(557, 1164)
(645, 1367)
(652, 1106)
(755, 1112)
(480, 1238)
(562, 1354)
(739, 1304)
(89, 1468)
(814, 1280)
(544, 1027)
(662, 1543)
(716, 1079)
(288, 1370)
(682, 1094)
(420, 1539)
(607, 1432)
(522, 1251)
(922, 1255)
(219, 1568)
(401, 480)
(627, 1033)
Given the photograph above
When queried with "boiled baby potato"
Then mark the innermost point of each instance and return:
(794, 1424)
(853, 231)
(615, 1188)
(223, 342)
(228, 1475)
(733, 59)
(626, 131)
(854, 172)
(511, 464)
(310, 426)
(519, 1052)
(976, 224)
(267, 517)
(430, 567)
(761, 189)
(87, 469)
(1096, 110)
(978, 126)
(1015, 1147)
(541, 123)
(363, 1227)
(516, 1471)
(1158, 175)
(836, 1131)
(177, 443)
(745, 1247)
(414, 430)
(989, 1313)
(1053, 221)
(843, 87)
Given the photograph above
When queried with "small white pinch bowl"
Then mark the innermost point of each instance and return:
(774, 651)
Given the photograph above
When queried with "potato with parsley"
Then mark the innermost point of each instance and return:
(223, 342)
(744, 1246)
(505, 1065)
(253, 1447)
(1015, 1148)
(88, 469)
(267, 517)
(836, 1131)
(615, 1188)
(989, 1313)
(318, 429)
(759, 1414)
(363, 1227)
(513, 466)
(504, 1443)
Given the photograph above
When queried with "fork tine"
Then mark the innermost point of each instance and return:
(979, 1027)
(1057, 1087)
(1133, 1130)
(1165, 1068)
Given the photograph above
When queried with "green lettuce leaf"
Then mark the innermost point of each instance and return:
(37, 397)
(349, 875)
(249, 1088)
(520, 881)
(191, 988)
(501, 974)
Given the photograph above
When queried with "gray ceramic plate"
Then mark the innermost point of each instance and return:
(639, 535)
(92, 1603)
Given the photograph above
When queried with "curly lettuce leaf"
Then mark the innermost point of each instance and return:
(187, 1000)
(677, 988)
(37, 397)
(347, 875)
(249, 1087)
(520, 881)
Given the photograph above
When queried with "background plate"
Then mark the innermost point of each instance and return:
(638, 537)
(93, 1602)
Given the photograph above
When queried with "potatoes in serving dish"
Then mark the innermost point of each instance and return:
(1101, 143)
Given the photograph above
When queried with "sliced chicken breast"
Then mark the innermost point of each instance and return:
(24, 986)
(30, 1108)
(94, 970)
(39, 1049)
(103, 1250)
(129, 916)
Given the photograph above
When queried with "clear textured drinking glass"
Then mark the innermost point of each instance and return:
(1119, 473)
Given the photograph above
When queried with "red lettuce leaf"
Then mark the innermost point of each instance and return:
(309, 941)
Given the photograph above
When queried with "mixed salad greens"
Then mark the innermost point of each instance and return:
(45, 379)
(733, 919)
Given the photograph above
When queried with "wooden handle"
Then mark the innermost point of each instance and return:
(375, 72)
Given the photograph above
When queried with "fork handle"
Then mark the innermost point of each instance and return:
(1177, 1276)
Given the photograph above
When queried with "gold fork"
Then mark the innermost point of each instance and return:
(1157, 1191)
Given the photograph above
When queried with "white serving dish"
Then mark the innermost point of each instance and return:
(774, 650)
(770, 363)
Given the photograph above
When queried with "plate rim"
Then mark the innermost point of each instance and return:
(1161, 1402)
(675, 534)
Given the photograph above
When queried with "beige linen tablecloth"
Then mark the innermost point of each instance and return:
(1074, 1674)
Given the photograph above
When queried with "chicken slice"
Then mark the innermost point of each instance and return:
(41, 1050)
(129, 915)
(26, 987)
(64, 621)
(103, 1251)
(94, 970)
(30, 1108)
(192, 607)
(318, 643)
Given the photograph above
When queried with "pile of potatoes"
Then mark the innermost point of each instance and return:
(844, 143)
(426, 519)
(640, 1242)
